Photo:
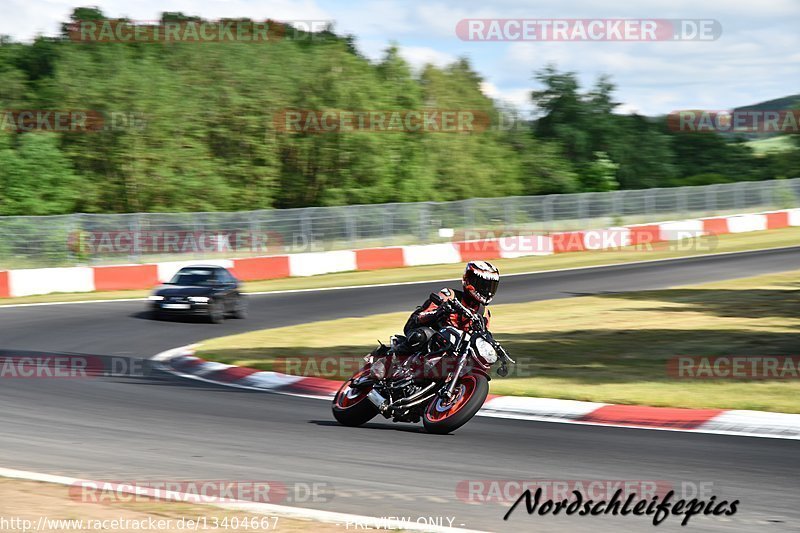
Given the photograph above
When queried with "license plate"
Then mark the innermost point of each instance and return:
(176, 306)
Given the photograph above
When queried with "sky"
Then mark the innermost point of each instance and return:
(756, 57)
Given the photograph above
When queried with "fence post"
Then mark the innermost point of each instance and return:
(768, 193)
(75, 232)
(305, 227)
(424, 221)
(252, 223)
(350, 225)
(737, 196)
(547, 211)
(795, 188)
(648, 203)
(387, 224)
(711, 199)
(616, 210)
(683, 201)
(469, 213)
(136, 228)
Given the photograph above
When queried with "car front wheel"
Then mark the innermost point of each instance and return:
(240, 309)
(216, 312)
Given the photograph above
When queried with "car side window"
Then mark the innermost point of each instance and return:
(226, 276)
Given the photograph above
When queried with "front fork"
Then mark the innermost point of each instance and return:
(447, 393)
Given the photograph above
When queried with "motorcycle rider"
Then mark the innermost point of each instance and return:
(479, 285)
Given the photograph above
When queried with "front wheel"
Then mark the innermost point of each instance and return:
(470, 393)
(351, 406)
(216, 311)
(240, 311)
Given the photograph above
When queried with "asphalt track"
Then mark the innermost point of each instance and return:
(161, 428)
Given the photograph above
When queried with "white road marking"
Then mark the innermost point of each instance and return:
(363, 522)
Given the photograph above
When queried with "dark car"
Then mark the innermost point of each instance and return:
(210, 292)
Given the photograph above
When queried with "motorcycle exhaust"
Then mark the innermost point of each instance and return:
(416, 402)
(380, 402)
(411, 400)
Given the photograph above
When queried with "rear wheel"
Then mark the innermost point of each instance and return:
(351, 406)
(470, 393)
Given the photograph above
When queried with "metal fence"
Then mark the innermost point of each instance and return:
(30, 242)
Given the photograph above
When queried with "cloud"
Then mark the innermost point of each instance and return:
(419, 56)
(518, 97)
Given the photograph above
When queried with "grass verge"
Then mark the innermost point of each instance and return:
(611, 348)
(702, 246)
(780, 143)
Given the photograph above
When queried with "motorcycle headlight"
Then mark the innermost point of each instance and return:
(155, 298)
(199, 299)
(485, 350)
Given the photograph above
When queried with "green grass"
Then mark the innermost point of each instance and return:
(780, 143)
(702, 246)
(611, 348)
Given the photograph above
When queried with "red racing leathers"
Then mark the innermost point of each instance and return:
(429, 314)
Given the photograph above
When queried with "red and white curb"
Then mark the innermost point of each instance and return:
(26, 282)
(182, 362)
(349, 521)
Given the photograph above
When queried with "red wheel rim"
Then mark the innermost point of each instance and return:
(348, 396)
(438, 411)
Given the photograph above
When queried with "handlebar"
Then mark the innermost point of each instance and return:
(461, 307)
(475, 319)
(504, 354)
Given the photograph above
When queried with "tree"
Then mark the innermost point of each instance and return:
(36, 178)
(196, 128)
(599, 175)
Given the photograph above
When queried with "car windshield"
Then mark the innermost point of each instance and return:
(193, 277)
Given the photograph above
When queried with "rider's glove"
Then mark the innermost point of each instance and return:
(444, 309)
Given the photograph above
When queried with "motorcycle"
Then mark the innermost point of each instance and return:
(444, 384)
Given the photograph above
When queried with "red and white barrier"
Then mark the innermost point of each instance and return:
(122, 277)
(679, 230)
(745, 223)
(523, 245)
(256, 268)
(431, 254)
(5, 289)
(794, 217)
(46, 280)
(375, 258)
(315, 263)
(607, 238)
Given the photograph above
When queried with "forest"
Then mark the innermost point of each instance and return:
(194, 130)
